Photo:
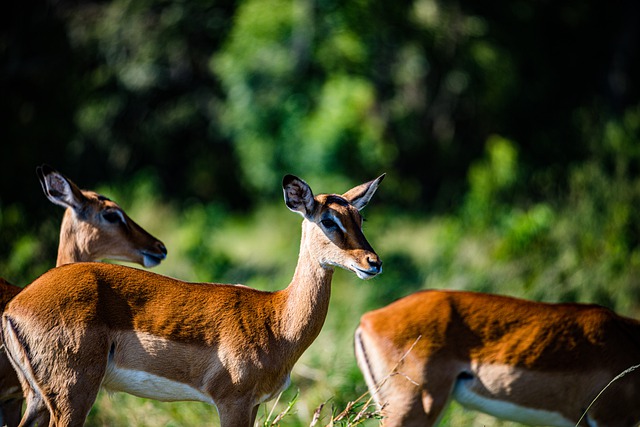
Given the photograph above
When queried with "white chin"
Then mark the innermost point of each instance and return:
(364, 276)
(149, 262)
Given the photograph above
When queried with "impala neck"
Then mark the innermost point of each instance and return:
(70, 249)
(306, 299)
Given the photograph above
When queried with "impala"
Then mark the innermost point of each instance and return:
(531, 362)
(82, 326)
(93, 228)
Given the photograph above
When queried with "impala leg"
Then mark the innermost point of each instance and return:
(36, 412)
(63, 388)
(437, 390)
(237, 415)
(403, 408)
(71, 412)
(415, 409)
(33, 413)
(70, 402)
(415, 399)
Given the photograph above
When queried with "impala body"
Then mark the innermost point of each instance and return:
(93, 228)
(530, 362)
(81, 326)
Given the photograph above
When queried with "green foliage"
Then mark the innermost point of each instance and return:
(513, 164)
(283, 120)
(490, 180)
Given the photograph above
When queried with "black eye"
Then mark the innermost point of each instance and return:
(329, 223)
(112, 217)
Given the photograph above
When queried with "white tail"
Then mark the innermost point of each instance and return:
(93, 228)
(81, 326)
(530, 362)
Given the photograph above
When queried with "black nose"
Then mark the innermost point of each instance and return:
(374, 262)
(162, 248)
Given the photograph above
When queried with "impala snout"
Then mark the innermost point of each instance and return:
(375, 263)
(151, 259)
(371, 267)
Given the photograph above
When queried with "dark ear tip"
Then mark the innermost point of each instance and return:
(381, 177)
(45, 169)
(288, 179)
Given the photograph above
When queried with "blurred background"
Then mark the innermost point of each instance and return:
(509, 132)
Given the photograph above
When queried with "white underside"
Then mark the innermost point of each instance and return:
(143, 384)
(507, 410)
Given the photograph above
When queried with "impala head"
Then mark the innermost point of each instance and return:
(333, 222)
(97, 226)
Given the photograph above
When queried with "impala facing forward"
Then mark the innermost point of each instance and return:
(93, 228)
(530, 362)
(81, 326)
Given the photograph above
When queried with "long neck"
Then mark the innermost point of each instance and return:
(306, 300)
(70, 248)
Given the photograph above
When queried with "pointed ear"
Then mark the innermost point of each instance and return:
(58, 188)
(298, 195)
(359, 196)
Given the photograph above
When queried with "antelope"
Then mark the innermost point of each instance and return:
(93, 228)
(530, 362)
(82, 326)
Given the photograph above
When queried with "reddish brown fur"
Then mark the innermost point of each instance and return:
(78, 326)
(85, 235)
(561, 356)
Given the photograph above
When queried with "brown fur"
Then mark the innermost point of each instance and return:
(552, 357)
(76, 326)
(85, 235)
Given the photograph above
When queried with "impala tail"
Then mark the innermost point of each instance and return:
(379, 362)
(364, 363)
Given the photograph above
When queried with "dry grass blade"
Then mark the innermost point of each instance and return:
(617, 377)
(316, 415)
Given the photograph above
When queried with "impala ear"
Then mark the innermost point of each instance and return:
(298, 196)
(359, 196)
(58, 188)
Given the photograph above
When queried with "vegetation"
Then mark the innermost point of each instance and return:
(509, 133)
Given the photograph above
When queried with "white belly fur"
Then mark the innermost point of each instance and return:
(143, 384)
(504, 409)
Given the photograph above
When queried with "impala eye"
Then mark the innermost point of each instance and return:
(112, 217)
(329, 223)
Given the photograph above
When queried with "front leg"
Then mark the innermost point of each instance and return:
(237, 414)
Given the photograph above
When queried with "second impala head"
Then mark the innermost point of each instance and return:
(335, 223)
(98, 227)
